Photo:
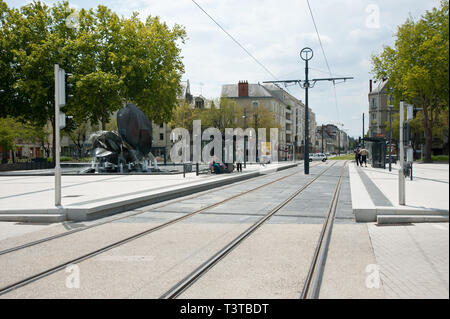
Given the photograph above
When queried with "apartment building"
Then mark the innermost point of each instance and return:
(288, 111)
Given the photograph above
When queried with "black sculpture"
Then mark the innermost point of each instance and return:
(123, 151)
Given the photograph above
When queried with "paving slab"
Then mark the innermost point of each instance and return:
(271, 264)
(145, 268)
(412, 259)
(350, 265)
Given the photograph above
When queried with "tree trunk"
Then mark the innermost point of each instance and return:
(428, 145)
(103, 120)
(427, 125)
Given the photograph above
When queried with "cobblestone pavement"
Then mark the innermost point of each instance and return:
(412, 259)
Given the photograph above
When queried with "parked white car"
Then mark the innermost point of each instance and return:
(317, 157)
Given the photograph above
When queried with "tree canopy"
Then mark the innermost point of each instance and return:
(113, 60)
(418, 67)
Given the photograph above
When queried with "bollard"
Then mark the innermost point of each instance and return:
(184, 171)
(197, 169)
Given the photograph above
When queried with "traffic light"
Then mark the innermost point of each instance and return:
(359, 140)
(68, 87)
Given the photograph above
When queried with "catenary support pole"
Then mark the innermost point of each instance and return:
(306, 165)
(307, 54)
(401, 176)
(390, 138)
(363, 132)
(57, 138)
(322, 140)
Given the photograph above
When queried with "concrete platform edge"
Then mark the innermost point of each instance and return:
(83, 214)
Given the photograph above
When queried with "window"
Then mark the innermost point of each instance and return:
(162, 125)
(161, 136)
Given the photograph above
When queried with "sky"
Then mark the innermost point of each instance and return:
(274, 32)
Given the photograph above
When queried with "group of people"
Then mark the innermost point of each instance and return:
(216, 166)
(361, 156)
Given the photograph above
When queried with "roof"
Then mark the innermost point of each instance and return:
(254, 90)
(380, 88)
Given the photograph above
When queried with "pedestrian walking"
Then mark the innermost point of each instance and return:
(363, 154)
(239, 158)
(357, 156)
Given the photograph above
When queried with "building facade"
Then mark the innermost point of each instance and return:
(288, 111)
(378, 110)
(330, 139)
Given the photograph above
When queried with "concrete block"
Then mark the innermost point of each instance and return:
(399, 219)
(365, 215)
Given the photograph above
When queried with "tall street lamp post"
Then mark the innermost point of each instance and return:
(307, 54)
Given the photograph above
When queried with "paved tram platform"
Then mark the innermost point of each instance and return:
(375, 194)
(85, 197)
(393, 251)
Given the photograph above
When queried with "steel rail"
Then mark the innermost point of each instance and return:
(167, 203)
(62, 266)
(190, 279)
(314, 278)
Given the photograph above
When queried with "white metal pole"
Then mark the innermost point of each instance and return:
(401, 176)
(57, 138)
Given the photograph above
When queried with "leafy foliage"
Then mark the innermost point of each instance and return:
(418, 67)
(113, 60)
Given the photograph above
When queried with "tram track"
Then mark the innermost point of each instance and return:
(110, 220)
(61, 266)
(313, 281)
(200, 271)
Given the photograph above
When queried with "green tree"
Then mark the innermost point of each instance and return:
(10, 131)
(100, 106)
(113, 60)
(418, 67)
(79, 133)
(184, 115)
(150, 65)
(38, 37)
(226, 115)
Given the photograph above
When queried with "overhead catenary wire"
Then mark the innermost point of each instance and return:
(325, 57)
(236, 41)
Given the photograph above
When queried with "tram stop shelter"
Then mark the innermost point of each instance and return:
(378, 151)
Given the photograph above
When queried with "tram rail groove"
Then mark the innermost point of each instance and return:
(190, 279)
(21, 283)
(311, 288)
(166, 203)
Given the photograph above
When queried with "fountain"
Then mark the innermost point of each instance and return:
(127, 150)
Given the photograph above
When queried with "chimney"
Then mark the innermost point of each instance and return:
(370, 86)
(243, 89)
